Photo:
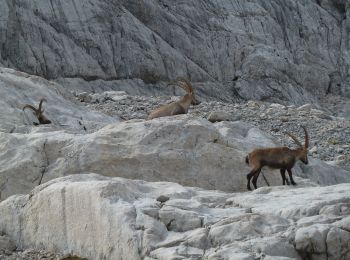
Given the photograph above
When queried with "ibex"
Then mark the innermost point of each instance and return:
(39, 113)
(178, 107)
(281, 158)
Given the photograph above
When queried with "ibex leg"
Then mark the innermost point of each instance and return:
(291, 177)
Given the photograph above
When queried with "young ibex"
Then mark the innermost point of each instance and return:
(178, 107)
(281, 158)
(39, 113)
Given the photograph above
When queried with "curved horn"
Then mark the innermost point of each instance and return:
(31, 107)
(40, 104)
(306, 145)
(294, 139)
(182, 83)
(187, 84)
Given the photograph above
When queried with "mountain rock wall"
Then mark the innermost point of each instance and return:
(287, 51)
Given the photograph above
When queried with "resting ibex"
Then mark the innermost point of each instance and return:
(281, 158)
(39, 113)
(178, 107)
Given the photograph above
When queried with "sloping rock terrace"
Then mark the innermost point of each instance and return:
(114, 218)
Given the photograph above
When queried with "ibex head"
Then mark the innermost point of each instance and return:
(302, 149)
(39, 113)
(187, 86)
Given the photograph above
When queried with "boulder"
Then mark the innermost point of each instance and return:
(312, 239)
(218, 116)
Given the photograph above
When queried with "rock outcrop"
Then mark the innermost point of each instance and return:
(329, 134)
(285, 51)
(183, 149)
(18, 89)
(114, 218)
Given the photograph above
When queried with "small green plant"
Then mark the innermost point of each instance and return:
(333, 141)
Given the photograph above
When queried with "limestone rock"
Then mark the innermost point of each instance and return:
(313, 150)
(18, 89)
(305, 108)
(97, 217)
(217, 116)
(183, 149)
(6, 244)
(344, 223)
(179, 220)
(312, 239)
(338, 244)
(133, 46)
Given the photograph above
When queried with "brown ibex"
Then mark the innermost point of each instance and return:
(281, 158)
(39, 113)
(178, 107)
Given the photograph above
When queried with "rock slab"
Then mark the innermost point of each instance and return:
(99, 217)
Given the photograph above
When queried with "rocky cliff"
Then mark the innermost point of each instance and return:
(287, 51)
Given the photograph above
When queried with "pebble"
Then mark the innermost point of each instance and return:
(305, 108)
(340, 150)
(218, 116)
(163, 198)
(313, 150)
(277, 106)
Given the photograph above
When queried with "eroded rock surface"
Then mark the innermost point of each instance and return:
(18, 89)
(183, 149)
(290, 51)
(276, 51)
(114, 218)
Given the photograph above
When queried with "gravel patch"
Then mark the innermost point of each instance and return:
(329, 134)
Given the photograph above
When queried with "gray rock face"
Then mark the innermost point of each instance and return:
(185, 149)
(182, 149)
(6, 244)
(97, 217)
(18, 89)
(285, 51)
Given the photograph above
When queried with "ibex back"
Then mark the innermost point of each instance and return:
(178, 107)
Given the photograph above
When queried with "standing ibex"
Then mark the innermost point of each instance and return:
(39, 113)
(178, 107)
(281, 158)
